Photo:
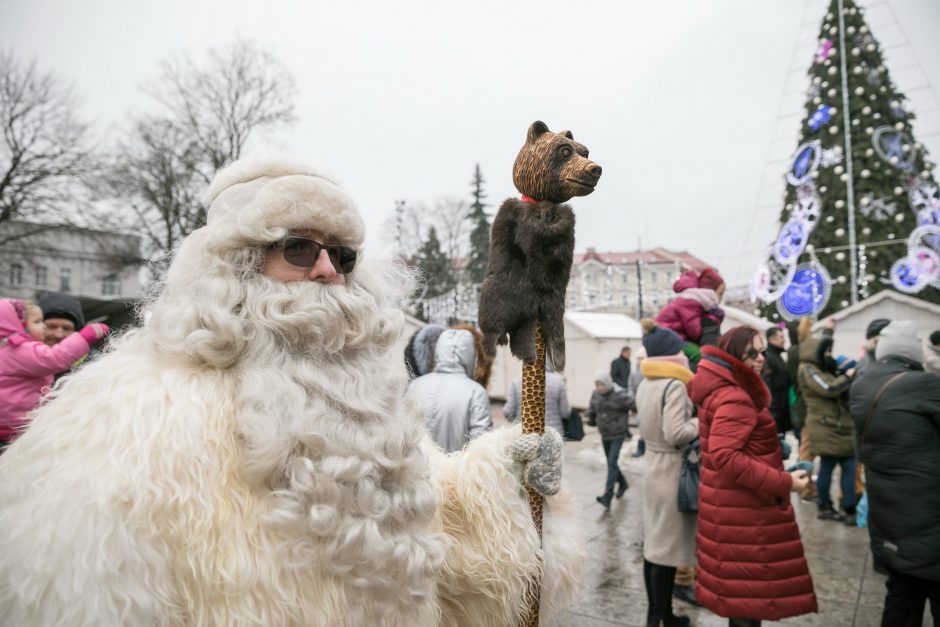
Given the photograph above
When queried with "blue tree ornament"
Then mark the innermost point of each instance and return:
(791, 242)
(821, 115)
(806, 160)
(807, 294)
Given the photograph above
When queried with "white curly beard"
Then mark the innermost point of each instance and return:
(321, 424)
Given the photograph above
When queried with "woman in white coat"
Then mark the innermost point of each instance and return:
(667, 426)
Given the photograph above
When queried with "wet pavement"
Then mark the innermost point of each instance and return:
(848, 590)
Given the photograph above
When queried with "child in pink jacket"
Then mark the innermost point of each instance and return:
(27, 365)
(694, 314)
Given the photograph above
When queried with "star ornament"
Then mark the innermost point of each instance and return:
(821, 115)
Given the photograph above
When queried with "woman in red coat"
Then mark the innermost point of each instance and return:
(750, 558)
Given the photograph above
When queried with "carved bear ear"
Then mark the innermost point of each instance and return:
(566, 134)
(535, 130)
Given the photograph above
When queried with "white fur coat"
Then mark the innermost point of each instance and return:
(123, 505)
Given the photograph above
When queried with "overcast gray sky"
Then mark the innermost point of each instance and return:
(686, 104)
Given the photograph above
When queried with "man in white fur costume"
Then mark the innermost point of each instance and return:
(248, 458)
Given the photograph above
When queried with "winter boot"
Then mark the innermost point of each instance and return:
(622, 486)
(828, 512)
(685, 593)
(640, 448)
(671, 621)
(661, 582)
(849, 517)
(605, 499)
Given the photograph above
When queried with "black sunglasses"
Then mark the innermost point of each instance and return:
(752, 353)
(303, 253)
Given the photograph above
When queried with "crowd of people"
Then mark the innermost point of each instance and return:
(737, 396)
(734, 399)
(255, 431)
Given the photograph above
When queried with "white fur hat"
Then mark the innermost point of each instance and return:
(259, 199)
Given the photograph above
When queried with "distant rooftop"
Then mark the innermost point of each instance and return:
(605, 325)
(649, 256)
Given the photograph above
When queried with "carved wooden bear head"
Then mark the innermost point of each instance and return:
(554, 167)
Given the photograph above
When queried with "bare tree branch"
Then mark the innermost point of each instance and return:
(207, 113)
(44, 149)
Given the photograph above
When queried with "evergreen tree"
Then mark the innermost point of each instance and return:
(852, 205)
(435, 266)
(480, 231)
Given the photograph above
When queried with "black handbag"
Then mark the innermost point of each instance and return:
(573, 427)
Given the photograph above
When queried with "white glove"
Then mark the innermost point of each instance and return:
(536, 459)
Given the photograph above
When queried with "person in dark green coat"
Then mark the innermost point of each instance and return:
(826, 393)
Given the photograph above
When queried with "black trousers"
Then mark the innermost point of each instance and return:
(907, 595)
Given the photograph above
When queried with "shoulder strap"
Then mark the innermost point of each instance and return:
(662, 409)
(874, 404)
(662, 405)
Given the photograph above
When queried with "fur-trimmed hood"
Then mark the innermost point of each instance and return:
(419, 353)
(718, 369)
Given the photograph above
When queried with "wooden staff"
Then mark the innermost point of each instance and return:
(533, 421)
(522, 298)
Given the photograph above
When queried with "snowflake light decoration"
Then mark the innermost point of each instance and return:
(830, 157)
(863, 40)
(878, 209)
(924, 195)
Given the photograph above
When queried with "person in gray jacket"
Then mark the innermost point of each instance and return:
(456, 408)
(557, 406)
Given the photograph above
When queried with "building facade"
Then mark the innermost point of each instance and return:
(92, 265)
(636, 283)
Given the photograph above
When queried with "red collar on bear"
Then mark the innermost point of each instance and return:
(529, 199)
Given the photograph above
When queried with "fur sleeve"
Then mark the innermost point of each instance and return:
(495, 552)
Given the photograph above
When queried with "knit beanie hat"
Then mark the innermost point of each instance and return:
(259, 199)
(60, 305)
(875, 327)
(709, 279)
(659, 341)
(935, 338)
(900, 338)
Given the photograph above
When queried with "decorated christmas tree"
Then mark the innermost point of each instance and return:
(861, 206)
